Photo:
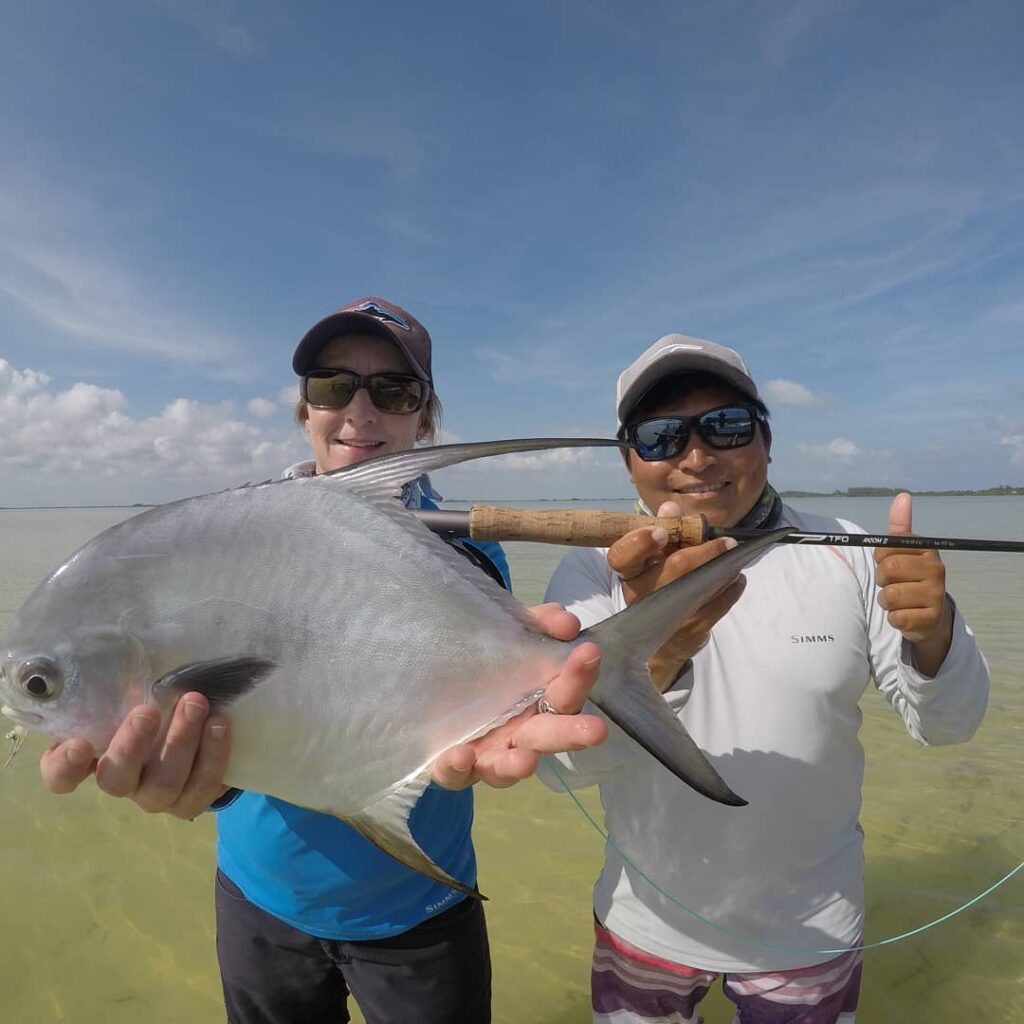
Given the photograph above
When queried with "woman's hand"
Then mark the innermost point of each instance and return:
(178, 770)
(511, 752)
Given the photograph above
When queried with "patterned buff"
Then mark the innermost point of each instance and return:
(765, 514)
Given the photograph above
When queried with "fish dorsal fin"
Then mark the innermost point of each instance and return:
(382, 477)
(386, 825)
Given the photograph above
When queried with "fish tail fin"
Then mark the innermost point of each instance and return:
(625, 693)
(624, 690)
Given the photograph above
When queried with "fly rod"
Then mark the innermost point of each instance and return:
(595, 528)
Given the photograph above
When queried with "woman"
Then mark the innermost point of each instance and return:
(307, 910)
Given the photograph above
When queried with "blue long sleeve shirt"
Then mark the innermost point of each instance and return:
(319, 875)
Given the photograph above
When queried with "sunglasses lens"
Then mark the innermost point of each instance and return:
(732, 426)
(394, 393)
(331, 389)
(389, 392)
(660, 439)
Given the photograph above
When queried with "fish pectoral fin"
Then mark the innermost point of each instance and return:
(386, 825)
(221, 681)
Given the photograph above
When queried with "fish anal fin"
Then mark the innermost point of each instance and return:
(222, 680)
(386, 825)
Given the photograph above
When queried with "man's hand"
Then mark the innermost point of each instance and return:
(510, 752)
(645, 561)
(178, 770)
(913, 583)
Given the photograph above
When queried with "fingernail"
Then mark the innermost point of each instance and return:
(76, 757)
(194, 712)
(659, 535)
(218, 732)
(144, 725)
(592, 661)
(730, 543)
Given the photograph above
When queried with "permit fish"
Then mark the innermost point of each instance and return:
(349, 645)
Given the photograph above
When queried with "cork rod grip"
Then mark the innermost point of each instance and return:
(580, 527)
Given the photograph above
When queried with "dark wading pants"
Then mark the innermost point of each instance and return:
(436, 973)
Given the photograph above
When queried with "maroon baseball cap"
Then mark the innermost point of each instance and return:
(369, 315)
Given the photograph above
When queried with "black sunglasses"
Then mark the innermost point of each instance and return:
(389, 392)
(664, 437)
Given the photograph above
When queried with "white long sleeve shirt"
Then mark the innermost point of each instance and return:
(773, 700)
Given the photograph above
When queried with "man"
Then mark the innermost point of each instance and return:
(767, 679)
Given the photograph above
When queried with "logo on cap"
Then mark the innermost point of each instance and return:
(378, 311)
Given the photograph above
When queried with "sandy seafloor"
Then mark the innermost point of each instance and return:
(106, 914)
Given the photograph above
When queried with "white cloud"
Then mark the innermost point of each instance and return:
(87, 429)
(56, 261)
(1009, 313)
(789, 392)
(14, 383)
(1016, 443)
(261, 408)
(556, 457)
(838, 449)
(288, 395)
(784, 33)
(214, 22)
(1013, 437)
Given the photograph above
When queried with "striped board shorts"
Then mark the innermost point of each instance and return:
(629, 986)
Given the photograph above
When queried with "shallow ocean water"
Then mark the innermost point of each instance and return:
(106, 914)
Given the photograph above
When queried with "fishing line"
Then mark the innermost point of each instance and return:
(769, 945)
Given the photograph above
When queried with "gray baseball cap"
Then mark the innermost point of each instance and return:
(677, 353)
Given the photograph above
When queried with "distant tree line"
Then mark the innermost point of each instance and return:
(888, 492)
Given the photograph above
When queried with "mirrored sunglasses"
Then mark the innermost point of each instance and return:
(665, 437)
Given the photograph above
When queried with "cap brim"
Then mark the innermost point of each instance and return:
(333, 326)
(339, 324)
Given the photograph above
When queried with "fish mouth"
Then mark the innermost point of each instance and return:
(19, 716)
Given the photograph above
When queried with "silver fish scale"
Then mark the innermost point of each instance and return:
(310, 576)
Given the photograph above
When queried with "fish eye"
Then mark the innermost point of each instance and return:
(41, 679)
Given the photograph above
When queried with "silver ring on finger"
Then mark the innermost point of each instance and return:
(545, 707)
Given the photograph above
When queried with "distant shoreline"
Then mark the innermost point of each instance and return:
(890, 492)
(29, 508)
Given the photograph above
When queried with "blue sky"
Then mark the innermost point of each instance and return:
(834, 189)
